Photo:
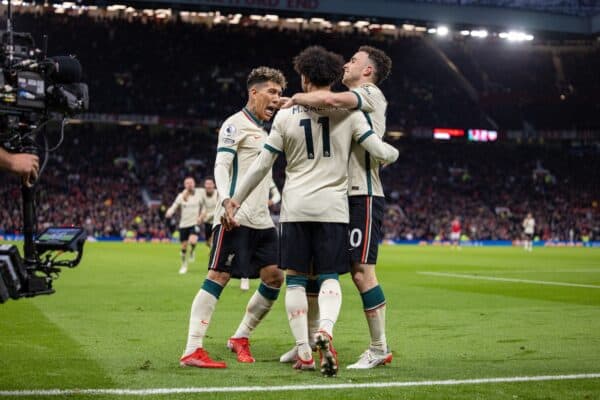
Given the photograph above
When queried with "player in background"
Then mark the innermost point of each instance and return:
(251, 250)
(208, 204)
(314, 213)
(274, 198)
(188, 201)
(367, 69)
(528, 230)
(455, 232)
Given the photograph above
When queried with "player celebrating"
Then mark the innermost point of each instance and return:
(251, 250)
(314, 213)
(367, 68)
(208, 204)
(529, 230)
(189, 203)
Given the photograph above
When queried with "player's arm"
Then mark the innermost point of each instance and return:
(364, 135)
(229, 138)
(174, 206)
(325, 99)
(256, 173)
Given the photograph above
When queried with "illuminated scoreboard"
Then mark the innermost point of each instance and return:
(472, 135)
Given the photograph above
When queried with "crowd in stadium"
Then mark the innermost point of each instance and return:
(108, 179)
(178, 69)
(98, 181)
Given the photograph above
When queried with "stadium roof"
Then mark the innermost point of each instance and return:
(581, 8)
(567, 16)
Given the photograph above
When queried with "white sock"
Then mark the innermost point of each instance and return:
(296, 306)
(376, 322)
(257, 308)
(313, 317)
(203, 307)
(330, 303)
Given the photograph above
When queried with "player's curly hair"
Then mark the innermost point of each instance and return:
(320, 66)
(383, 63)
(265, 74)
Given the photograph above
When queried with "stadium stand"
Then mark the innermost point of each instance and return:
(116, 180)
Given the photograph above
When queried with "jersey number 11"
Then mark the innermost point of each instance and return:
(310, 148)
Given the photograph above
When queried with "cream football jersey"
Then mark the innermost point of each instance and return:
(363, 169)
(241, 139)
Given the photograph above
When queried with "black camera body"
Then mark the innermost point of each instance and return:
(19, 278)
(35, 89)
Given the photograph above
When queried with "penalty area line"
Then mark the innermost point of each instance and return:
(498, 279)
(334, 386)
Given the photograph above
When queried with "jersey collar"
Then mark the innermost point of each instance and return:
(253, 117)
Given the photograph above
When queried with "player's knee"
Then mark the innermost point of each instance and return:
(272, 276)
(364, 277)
(220, 277)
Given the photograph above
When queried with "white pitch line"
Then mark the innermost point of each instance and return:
(495, 278)
(335, 386)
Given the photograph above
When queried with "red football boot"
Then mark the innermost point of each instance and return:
(241, 346)
(200, 359)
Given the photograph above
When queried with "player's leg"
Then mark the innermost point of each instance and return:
(184, 234)
(208, 234)
(331, 258)
(366, 218)
(193, 239)
(263, 245)
(296, 257)
(203, 306)
(258, 307)
(296, 305)
(312, 296)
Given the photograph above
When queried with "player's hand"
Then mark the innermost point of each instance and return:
(26, 165)
(286, 102)
(228, 220)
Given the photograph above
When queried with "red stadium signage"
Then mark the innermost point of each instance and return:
(447, 133)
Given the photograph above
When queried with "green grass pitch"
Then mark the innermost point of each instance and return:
(120, 319)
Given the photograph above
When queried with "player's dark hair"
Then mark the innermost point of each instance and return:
(383, 64)
(320, 66)
(265, 74)
(209, 178)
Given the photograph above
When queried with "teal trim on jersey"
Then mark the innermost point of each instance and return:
(368, 160)
(296, 280)
(312, 287)
(212, 287)
(253, 117)
(323, 277)
(368, 171)
(268, 292)
(272, 149)
(364, 136)
(234, 175)
(359, 105)
(373, 298)
(368, 119)
(226, 150)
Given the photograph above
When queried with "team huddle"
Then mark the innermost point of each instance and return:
(331, 208)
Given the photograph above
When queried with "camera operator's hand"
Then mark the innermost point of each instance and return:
(26, 165)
